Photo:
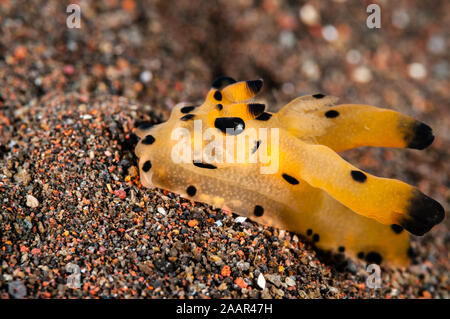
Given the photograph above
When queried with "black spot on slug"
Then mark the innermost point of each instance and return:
(235, 125)
(149, 139)
(255, 109)
(255, 148)
(359, 176)
(374, 258)
(255, 85)
(264, 117)
(205, 165)
(396, 228)
(147, 165)
(187, 117)
(360, 255)
(187, 109)
(341, 249)
(258, 211)
(222, 81)
(291, 180)
(316, 238)
(218, 96)
(309, 232)
(219, 107)
(191, 190)
(332, 114)
(318, 96)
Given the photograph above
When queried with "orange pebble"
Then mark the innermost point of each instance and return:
(193, 223)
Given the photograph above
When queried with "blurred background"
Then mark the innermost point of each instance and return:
(158, 53)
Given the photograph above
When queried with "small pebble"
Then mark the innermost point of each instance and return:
(362, 74)
(17, 290)
(261, 281)
(146, 76)
(417, 71)
(290, 282)
(330, 33)
(309, 15)
(32, 201)
(240, 219)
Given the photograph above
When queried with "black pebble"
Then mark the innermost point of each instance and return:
(341, 249)
(309, 232)
(360, 255)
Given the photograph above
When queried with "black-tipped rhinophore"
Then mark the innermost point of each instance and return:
(255, 85)
(222, 81)
(422, 137)
(256, 109)
(230, 125)
(423, 213)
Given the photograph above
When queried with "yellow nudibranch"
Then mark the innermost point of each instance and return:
(314, 192)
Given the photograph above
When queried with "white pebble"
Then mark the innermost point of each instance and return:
(290, 282)
(288, 88)
(32, 201)
(261, 281)
(417, 70)
(161, 210)
(309, 15)
(146, 76)
(17, 290)
(353, 56)
(362, 74)
(436, 44)
(330, 33)
(311, 69)
(287, 39)
(240, 219)
(400, 19)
